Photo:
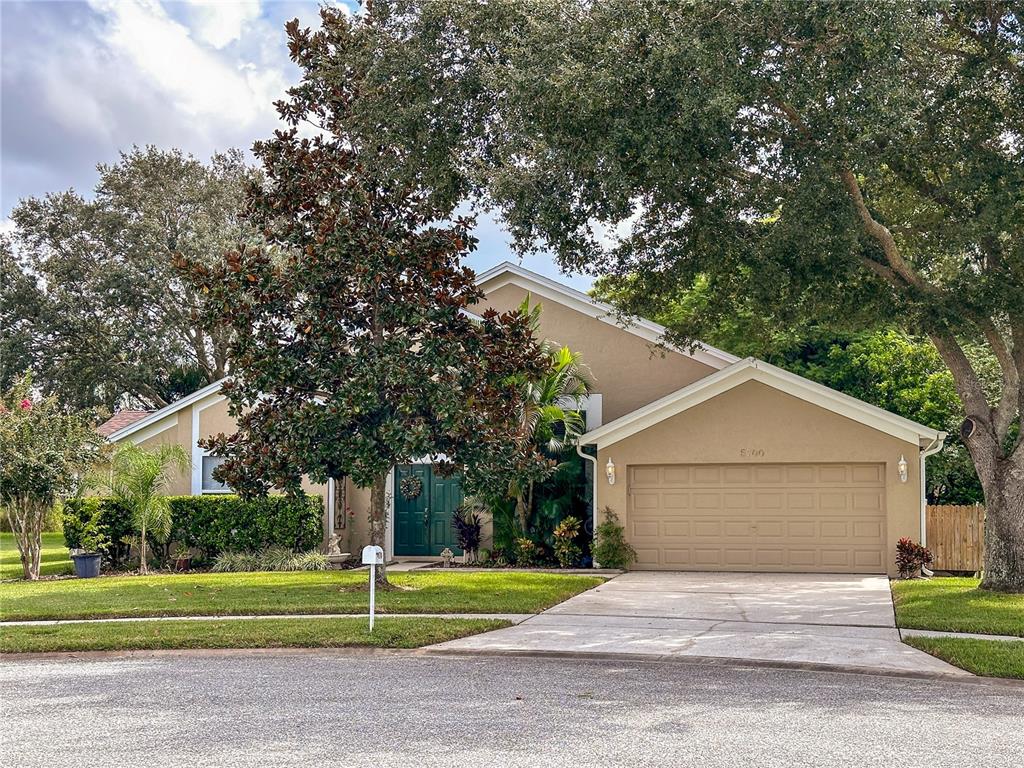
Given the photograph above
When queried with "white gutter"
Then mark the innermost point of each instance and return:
(934, 447)
(593, 493)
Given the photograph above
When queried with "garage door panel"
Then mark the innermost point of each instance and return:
(803, 517)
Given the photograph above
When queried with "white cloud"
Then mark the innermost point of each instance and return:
(221, 22)
(198, 81)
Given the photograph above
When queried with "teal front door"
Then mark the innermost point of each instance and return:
(423, 524)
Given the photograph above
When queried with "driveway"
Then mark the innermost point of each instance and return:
(831, 620)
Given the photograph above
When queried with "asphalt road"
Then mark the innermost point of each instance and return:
(333, 709)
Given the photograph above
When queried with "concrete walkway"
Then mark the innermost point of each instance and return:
(834, 620)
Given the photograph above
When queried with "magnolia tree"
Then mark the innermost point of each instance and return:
(354, 345)
(45, 452)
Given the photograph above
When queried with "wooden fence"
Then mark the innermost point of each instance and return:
(956, 537)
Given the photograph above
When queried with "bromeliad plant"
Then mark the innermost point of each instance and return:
(139, 482)
(468, 525)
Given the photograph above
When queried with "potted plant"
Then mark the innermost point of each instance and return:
(182, 558)
(88, 557)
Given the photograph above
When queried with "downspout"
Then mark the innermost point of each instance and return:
(934, 447)
(593, 491)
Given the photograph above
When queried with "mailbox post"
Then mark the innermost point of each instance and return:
(373, 556)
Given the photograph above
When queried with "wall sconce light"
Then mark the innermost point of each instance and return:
(901, 465)
(609, 471)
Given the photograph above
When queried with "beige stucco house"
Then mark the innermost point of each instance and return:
(710, 462)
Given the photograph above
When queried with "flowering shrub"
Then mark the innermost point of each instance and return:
(911, 557)
(45, 452)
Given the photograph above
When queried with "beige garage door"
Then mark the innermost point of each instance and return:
(758, 517)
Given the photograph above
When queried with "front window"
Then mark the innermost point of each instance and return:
(210, 485)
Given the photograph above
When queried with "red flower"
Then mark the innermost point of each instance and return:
(26, 404)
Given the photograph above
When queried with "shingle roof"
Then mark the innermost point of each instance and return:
(120, 420)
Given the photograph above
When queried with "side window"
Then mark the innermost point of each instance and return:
(210, 485)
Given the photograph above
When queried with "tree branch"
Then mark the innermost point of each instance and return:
(883, 236)
(1005, 412)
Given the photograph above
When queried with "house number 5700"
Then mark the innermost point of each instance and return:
(751, 453)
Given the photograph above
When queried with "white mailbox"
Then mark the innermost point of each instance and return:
(373, 555)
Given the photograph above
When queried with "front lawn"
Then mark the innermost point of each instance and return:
(989, 658)
(396, 632)
(54, 560)
(957, 605)
(214, 594)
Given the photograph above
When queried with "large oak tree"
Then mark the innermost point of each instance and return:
(90, 300)
(853, 160)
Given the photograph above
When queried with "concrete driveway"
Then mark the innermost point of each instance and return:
(831, 620)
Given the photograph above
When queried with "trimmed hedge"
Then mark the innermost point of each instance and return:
(213, 524)
(222, 523)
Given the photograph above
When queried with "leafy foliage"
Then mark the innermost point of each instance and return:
(354, 349)
(467, 523)
(90, 300)
(567, 551)
(45, 452)
(211, 524)
(911, 557)
(270, 559)
(611, 549)
(139, 479)
(845, 164)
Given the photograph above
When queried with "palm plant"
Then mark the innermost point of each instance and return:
(550, 418)
(139, 480)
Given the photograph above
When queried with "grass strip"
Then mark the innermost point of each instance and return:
(988, 658)
(395, 632)
(957, 605)
(219, 594)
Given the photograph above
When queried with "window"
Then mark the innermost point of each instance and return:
(210, 485)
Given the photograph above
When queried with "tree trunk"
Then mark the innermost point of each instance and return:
(1004, 528)
(143, 568)
(379, 521)
(26, 521)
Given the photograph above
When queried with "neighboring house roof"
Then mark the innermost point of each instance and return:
(167, 410)
(752, 369)
(507, 272)
(120, 420)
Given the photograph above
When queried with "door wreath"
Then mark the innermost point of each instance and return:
(410, 486)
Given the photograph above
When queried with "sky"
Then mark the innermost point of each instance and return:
(82, 81)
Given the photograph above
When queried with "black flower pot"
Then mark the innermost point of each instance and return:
(87, 565)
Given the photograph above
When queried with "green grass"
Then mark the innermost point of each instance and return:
(957, 605)
(55, 560)
(393, 632)
(989, 658)
(216, 594)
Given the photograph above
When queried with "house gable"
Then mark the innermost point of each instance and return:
(630, 371)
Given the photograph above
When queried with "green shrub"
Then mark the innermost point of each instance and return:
(212, 524)
(611, 550)
(527, 553)
(222, 523)
(567, 551)
(103, 516)
(270, 559)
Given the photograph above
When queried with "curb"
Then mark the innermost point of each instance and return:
(433, 651)
(719, 661)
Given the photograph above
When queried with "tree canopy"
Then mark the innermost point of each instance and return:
(843, 162)
(91, 301)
